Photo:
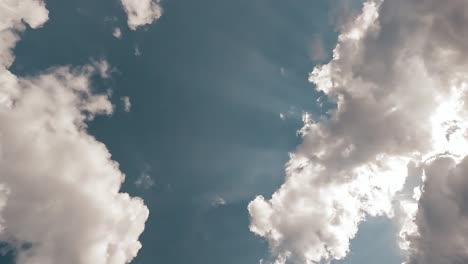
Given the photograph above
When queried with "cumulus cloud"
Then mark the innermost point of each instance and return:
(141, 12)
(59, 188)
(12, 13)
(397, 77)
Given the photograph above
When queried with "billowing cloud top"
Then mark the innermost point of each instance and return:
(59, 188)
(398, 78)
(141, 12)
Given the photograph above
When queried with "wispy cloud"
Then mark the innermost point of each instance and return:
(117, 33)
(127, 105)
(218, 201)
(144, 181)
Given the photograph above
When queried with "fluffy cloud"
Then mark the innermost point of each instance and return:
(12, 15)
(59, 188)
(397, 78)
(141, 12)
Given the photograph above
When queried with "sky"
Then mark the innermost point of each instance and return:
(249, 131)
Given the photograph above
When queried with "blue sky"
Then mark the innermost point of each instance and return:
(207, 93)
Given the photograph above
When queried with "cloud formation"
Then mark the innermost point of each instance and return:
(397, 77)
(59, 188)
(141, 12)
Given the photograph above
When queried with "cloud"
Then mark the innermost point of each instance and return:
(442, 218)
(282, 117)
(283, 71)
(126, 103)
(117, 33)
(12, 13)
(145, 181)
(218, 201)
(141, 12)
(398, 79)
(59, 189)
(137, 51)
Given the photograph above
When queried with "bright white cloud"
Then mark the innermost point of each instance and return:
(398, 79)
(141, 12)
(59, 188)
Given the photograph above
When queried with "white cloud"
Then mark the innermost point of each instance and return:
(126, 103)
(141, 12)
(117, 33)
(398, 79)
(12, 13)
(59, 189)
